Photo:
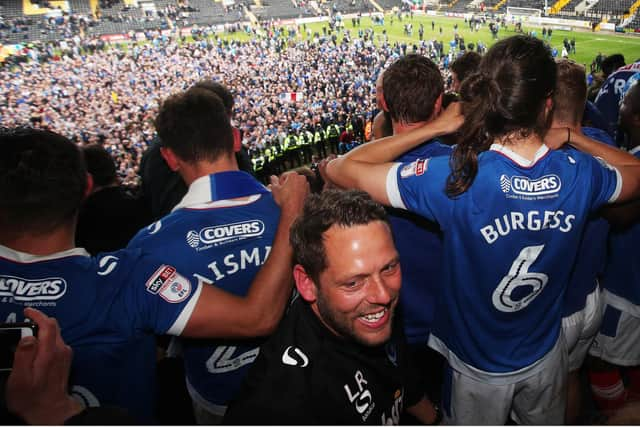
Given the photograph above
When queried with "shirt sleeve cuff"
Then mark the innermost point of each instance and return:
(393, 192)
(616, 192)
(182, 320)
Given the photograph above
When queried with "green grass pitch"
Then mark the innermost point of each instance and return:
(588, 43)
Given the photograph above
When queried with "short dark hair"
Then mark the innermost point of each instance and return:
(611, 63)
(466, 65)
(321, 212)
(570, 94)
(195, 126)
(100, 164)
(410, 87)
(43, 180)
(219, 89)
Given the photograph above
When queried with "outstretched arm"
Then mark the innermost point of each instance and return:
(366, 167)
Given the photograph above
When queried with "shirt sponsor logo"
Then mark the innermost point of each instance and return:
(220, 234)
(548, 184)
(170, 285)
(20, 289)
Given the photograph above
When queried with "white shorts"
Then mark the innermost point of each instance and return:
(618, 341)
(581, 328)
(538, 399)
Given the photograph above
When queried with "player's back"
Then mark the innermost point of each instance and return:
(222, 243)
(509, 240)
(98, 305)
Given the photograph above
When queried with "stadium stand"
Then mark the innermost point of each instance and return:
(533, 4)
(635, 22)
(277, 8)
(569, 8)
(387, 4)
(80, 6)
(613, 7)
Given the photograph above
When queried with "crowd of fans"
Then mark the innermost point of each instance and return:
(286, 79)
(110, 96)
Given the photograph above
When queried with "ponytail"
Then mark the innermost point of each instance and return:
(480, 97)
(504, 100)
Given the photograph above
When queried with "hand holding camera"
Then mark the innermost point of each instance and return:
(37, 386)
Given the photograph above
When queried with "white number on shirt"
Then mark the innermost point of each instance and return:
(221, 360)
(518, 276)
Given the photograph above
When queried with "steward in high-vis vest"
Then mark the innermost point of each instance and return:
(307, 145)
(292, 149)
(257, 160)
(333, 135)
(318, 141)
(277, 157)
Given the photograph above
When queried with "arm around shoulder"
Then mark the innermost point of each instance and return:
(625, 163)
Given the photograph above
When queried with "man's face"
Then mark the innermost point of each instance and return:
(358, 291)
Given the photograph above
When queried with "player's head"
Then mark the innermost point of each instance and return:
(570, 94)
(100, 165)
(463, 67)
(219, 89)
(347, 266)
(508, 99)
(611, 63)
(412, 87)
(629, 117)
(43, 180)
(195, 126)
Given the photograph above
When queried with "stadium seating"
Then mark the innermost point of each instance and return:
(613, 7)
(279, 9)
(387, 4)
(533, 4)
(634, 24)
(569, 8)
(80, 6)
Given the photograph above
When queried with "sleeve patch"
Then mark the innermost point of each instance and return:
(170, 285)
(416, 168)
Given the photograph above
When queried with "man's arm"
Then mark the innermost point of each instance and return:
(220, 314)
(367, 166)
(625, 163)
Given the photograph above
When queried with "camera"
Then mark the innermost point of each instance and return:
(10, 335)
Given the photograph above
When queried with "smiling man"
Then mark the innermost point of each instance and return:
(337, 357)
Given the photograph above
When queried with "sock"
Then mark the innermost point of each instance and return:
(608, 389)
